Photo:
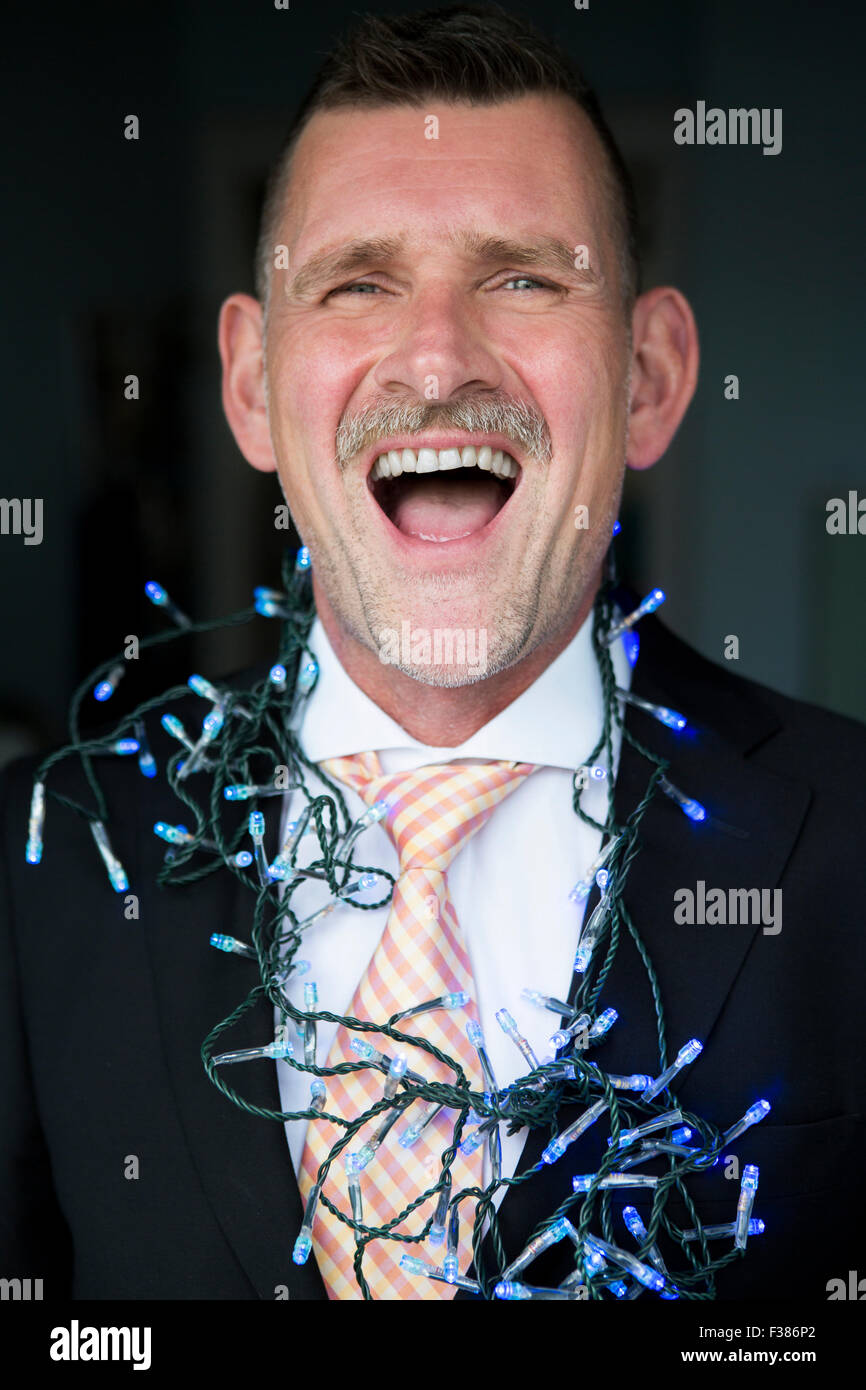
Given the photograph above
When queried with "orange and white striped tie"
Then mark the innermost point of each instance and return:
(432, 813)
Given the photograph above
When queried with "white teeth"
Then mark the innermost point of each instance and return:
(428, 461)
(397, 461)
(503, 465)
(449, 458)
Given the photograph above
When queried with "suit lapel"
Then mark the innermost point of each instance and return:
(242, 1160)
(754, 817)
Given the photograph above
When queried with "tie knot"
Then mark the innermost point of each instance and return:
(432, 811)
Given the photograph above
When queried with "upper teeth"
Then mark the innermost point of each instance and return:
(398, 461)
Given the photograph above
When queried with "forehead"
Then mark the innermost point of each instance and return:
(535, 161)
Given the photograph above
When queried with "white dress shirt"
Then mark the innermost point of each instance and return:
(509, 884)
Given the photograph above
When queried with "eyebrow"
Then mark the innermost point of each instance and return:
(537, 252)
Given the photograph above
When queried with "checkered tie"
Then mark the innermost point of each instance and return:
(432, 812)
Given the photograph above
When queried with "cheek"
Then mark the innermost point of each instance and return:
(311, 383)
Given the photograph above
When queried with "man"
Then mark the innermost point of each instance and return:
(449, 365)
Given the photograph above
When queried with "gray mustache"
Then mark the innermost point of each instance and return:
(503, 415)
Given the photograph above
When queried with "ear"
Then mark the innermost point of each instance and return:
(665, 357)
(243, 386)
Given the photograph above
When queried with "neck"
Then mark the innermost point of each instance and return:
(440, 717)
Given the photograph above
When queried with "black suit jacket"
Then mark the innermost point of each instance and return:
(103, 1019)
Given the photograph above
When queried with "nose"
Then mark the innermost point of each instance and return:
(439, 351)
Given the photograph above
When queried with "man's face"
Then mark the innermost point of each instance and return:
(477, 338)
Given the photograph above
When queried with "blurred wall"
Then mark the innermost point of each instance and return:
(118, 253)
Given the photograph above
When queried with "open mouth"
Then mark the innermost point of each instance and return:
(443, 494)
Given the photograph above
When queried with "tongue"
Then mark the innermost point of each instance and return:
(435, 509)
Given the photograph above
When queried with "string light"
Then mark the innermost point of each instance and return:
(725, 1230)
(684, 1058)
(634, 1105)
(116, 871)
(648, 605)
(745, 1202)
(671, 718)
(146, 760)
(693, 809)
(510, 1290)
(107, 686)
(753, 1116)
(558, 1145)
(160, 599)
(35, 823)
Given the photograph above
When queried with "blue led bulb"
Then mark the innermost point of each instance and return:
(109, 683)
(307, 677)
(303, 1246)
(203, 687)
(213, 722)
(156, 593)
(554, 1151)
(173, 726)
(35, 823)
(277, 676)
(302, 559)
(603, 1024)
(757, 1111)
(364, 1155)
(509, 1290)
(631, 1217)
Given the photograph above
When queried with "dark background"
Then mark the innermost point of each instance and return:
(119, 253)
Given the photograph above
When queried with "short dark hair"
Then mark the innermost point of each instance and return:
(478, 54)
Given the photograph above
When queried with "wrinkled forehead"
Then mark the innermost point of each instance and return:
(533, 161)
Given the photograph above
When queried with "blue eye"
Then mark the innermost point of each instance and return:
(357, 285)
(528, 280)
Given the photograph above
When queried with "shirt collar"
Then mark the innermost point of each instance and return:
(555, 722)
